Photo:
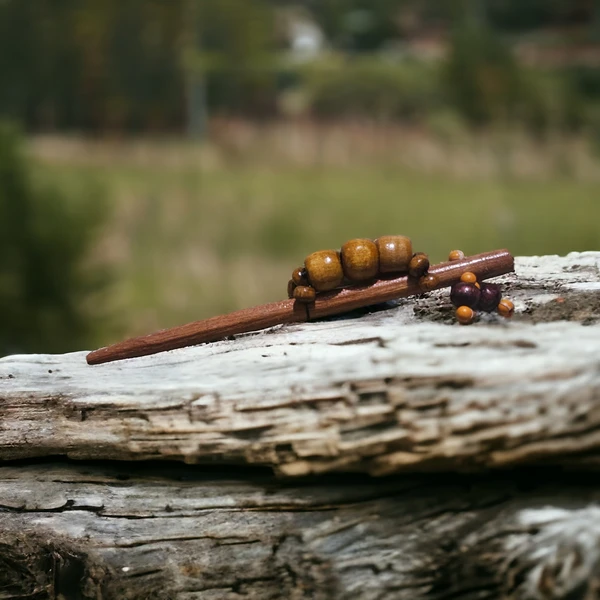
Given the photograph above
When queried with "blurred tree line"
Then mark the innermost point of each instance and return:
(156, 65)
(45, 274)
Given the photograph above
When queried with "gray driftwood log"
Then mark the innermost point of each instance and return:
(500, 421)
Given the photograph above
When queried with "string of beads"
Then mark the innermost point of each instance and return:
(362, 260)
(359, 261)
(470, 296)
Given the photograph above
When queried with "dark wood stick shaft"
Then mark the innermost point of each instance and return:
(486, 265)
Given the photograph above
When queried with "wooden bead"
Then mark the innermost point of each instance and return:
(299, 276)
(490, 297)
(291, 288)
(456, 255)
(429, 282)
(418, 265)
(360, 259)
(465, 294)
(468, 277)
(506, 308)
(305, 293)
(324, 269)
(465, 315)
(395, 252)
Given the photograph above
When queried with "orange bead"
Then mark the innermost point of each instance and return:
(418, 265)
(506, 308)
(468, 277)
(429, 282)
(465, 315)
(299, 276)
(395, 252)
(360, 259)
(324, 270)
(305, 293)
(456, 255)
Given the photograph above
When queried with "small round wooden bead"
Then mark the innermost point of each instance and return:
(291, 288)
(465, 315)
(429, 282)
(418, 265)
(299, 276)
(506, 308)
(456, 255)
(468, 277)
(360, 259)
(395, 252)
(305, 293)
(324, 269)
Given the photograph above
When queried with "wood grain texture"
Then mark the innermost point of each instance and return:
(388, 391)
(79, 532)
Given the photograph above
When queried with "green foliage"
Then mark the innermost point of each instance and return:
(481, 75)
(152, 65)
(372, 88)
(78, 63)
(44, 239)
(487, 86)
(235, 53)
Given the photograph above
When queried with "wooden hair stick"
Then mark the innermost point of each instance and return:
(486, 265)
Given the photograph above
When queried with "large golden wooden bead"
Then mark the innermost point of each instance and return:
(395, 252)
(324, 270)
(360, 259)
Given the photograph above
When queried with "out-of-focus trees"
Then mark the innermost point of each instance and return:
(235, 51)
(482, 76)
(45, 238)
(91, 64)
(153, 65)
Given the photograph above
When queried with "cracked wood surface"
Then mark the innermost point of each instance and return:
(391, 390)
(75, 532)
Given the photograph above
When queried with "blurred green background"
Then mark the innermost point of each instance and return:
(162, 161)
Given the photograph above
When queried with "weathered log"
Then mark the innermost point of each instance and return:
(394, 390)
(87, 532)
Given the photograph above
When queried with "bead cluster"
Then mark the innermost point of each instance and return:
(362, 260)
(468, 296)
(359, 261)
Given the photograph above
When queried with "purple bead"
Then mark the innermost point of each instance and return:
(490, 296)
(464, 294)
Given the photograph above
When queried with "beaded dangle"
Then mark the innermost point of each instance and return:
(469, 296)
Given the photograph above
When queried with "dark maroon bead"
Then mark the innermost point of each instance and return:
(464, 294)
(490, 296)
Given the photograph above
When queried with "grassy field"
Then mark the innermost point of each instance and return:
(198, 231)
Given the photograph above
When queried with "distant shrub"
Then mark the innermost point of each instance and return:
(45, 237)
(487, 85)
(482, 78)
(372, 88)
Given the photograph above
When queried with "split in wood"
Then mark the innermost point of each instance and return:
(486, 265)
